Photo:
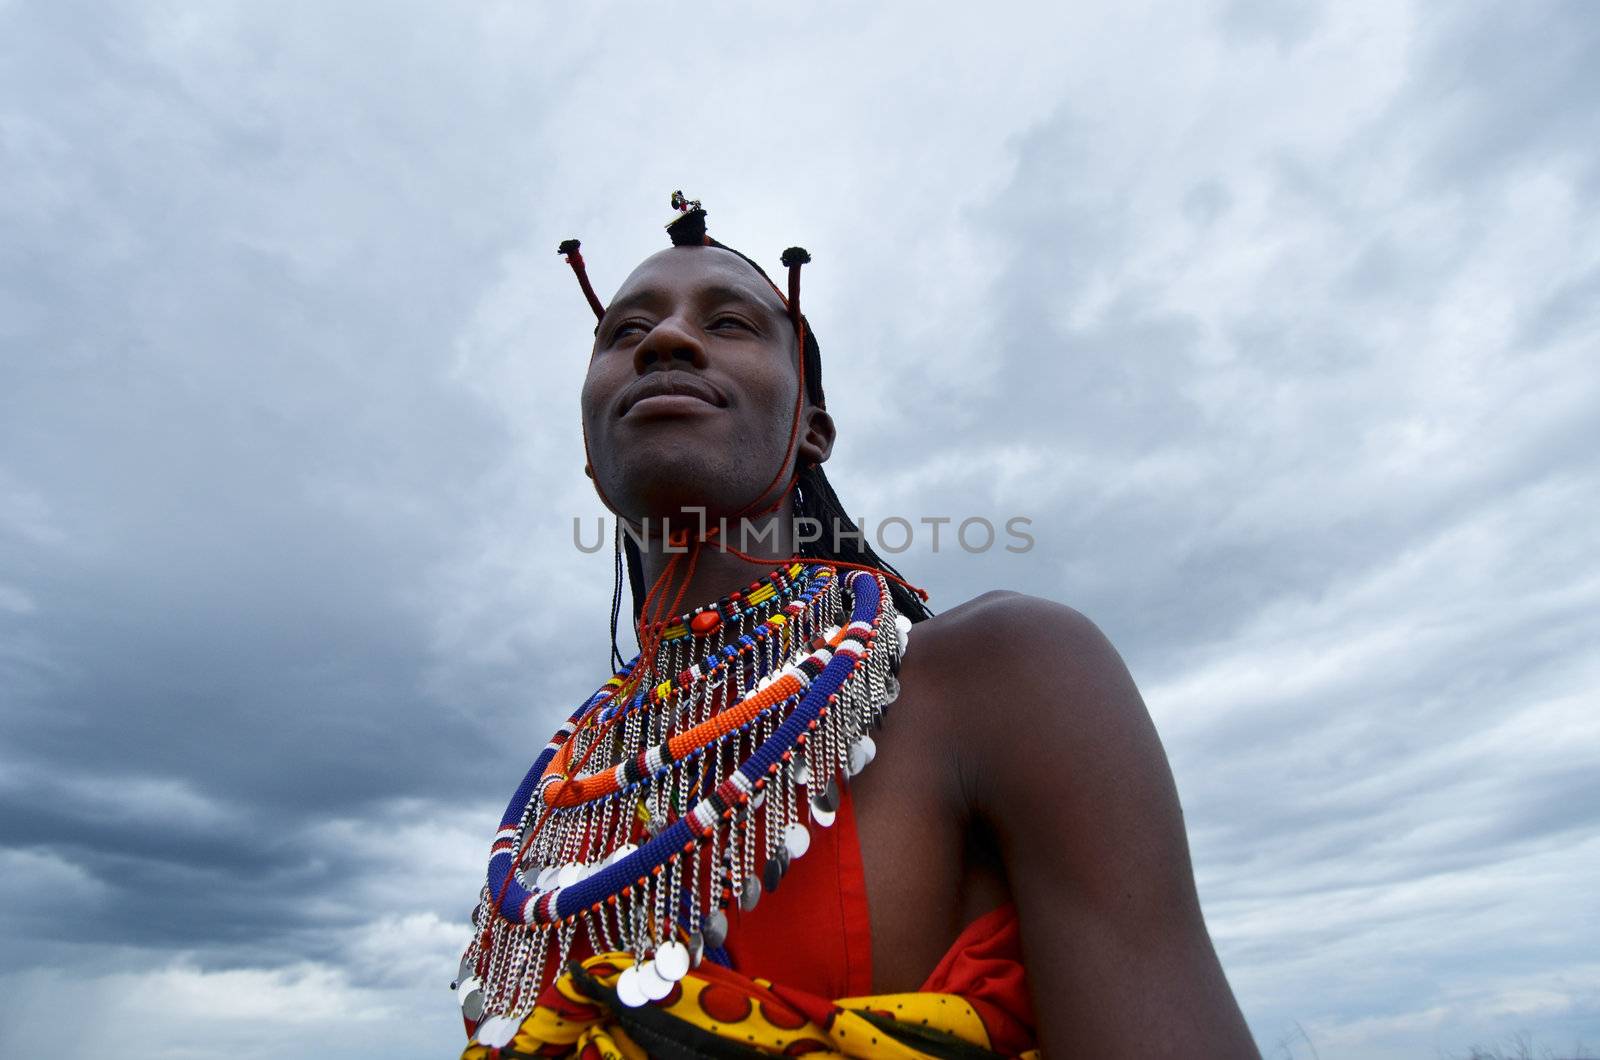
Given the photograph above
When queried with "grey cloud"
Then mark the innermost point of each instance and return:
(1294, 388)
(1511, 88)
(1285, 25)
(232, 451)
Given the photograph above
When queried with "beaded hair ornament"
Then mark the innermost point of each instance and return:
(690, 780)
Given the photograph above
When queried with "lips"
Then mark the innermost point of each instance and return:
(675, 385)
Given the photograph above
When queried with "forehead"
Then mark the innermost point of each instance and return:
(680, 272)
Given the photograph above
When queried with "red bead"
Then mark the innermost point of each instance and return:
(705, 623)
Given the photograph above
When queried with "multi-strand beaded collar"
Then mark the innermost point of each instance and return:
(668, 796)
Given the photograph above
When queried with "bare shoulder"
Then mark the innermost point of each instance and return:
(1002, 619)
(1029, 660)
(1041, 713)
(1060, 763)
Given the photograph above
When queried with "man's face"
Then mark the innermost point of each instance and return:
(691, 388)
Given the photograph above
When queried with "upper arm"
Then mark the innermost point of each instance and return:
(1070, 776)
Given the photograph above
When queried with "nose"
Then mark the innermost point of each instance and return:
(670, 344)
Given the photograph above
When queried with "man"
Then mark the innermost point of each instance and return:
(1018, 824)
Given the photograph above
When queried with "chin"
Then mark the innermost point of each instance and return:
(670, 482)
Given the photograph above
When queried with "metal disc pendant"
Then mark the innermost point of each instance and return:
(715, 928)
(468, 969)
(828, 798)
(569, 875)
(628, 990)
(862, 752)
(496, 1032)
(822, 816)
(546, 880)
(796, 840)
(891, 689)
(621, 852)
(672, 961)
(750, 893)
(772, 872)
(697, 948)
(802, 774)
(652, 983)
(758, 798)
(471, 999)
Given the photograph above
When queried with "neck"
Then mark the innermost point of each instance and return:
(716, 571)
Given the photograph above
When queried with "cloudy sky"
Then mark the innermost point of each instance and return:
(1278, 320)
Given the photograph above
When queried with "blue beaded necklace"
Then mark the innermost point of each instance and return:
(675, 837)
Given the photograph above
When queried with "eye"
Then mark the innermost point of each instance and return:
(728, 320)
(628, 328)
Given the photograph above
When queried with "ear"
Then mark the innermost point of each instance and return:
(816, 436)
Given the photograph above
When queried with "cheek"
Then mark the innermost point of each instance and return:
(765, 426)
(596, 389)
(774, 388)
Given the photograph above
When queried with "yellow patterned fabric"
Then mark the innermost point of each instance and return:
(716, 1011)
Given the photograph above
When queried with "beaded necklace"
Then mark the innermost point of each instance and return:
(668, 795)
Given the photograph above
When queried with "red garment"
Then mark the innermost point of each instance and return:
(984, 965)
(814, 934)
